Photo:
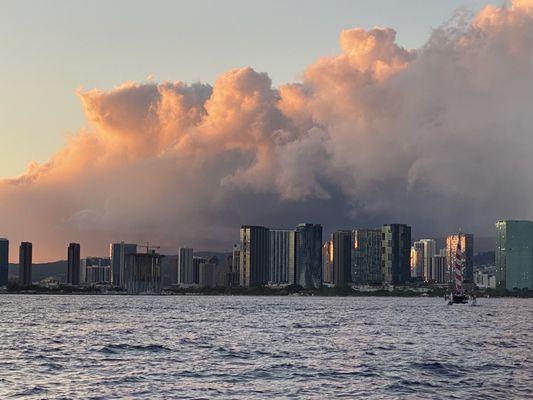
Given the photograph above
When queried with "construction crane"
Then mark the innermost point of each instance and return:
(149, 247)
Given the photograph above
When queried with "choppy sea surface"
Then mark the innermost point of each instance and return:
(106, 347)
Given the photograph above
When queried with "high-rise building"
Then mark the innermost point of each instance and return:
(514, 254)
(255, 256)
(366, 256)
(396, 253)
(196, 261)
(342, 258)
(484, 280)
(417, 260)
(430, 247)
(4, 261)
(438, 268)
(235, 266)
(73, 264)
(224, 276)
(25, 263)
(282, 264)
(143, 273)
(327, 262)
(95, 270)
(308, 251)
(467, 247)
(118, 253)
(185, 266)
(207, 274)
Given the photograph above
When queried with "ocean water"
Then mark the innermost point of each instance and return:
(106, 347)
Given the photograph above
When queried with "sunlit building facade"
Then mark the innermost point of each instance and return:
(255, 255)
(467, 247)
(417, 260)
(327, 262)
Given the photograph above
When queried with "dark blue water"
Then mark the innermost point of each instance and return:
(105, 347)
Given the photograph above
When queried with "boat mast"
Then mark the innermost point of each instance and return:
(458, 267)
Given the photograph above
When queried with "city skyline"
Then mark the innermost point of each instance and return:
(299, 257)
(353, 260)
(266, 199)
(366, 135)
(106, 251)
(109, 248)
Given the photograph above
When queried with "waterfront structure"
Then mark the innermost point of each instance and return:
(73, 264)
(484, 280)
(25, 263)
(143, 273)
(206, 274)
(438, 268)
(224, 276)
(281, 257)
(327, 263)
(366, 256)
(4, 261)
(417, 260)
(467, 247)
(185, 266)
(118, 253)
(235, 266)
(308, 255)
(196, 261)
(430, 248)
(255, 245)
(396, 253)
(342, 257)
(95, 270)
(514, 254)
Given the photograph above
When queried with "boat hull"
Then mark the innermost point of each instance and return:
(457, 299)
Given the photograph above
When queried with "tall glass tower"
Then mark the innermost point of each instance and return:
(396, 253)
(514, 254)
(25, 263)
(4, 261)
(308, 251)
(118, 253)
(73, 264)
(255, 256)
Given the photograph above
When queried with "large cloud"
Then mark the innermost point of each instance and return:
(439, 138)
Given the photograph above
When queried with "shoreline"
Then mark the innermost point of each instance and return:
(269, 292)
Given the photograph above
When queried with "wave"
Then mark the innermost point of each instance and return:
(117, 348)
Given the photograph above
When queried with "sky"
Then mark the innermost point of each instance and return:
(176, 123)
(48, 52)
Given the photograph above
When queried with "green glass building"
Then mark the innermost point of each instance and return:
(514, 254)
